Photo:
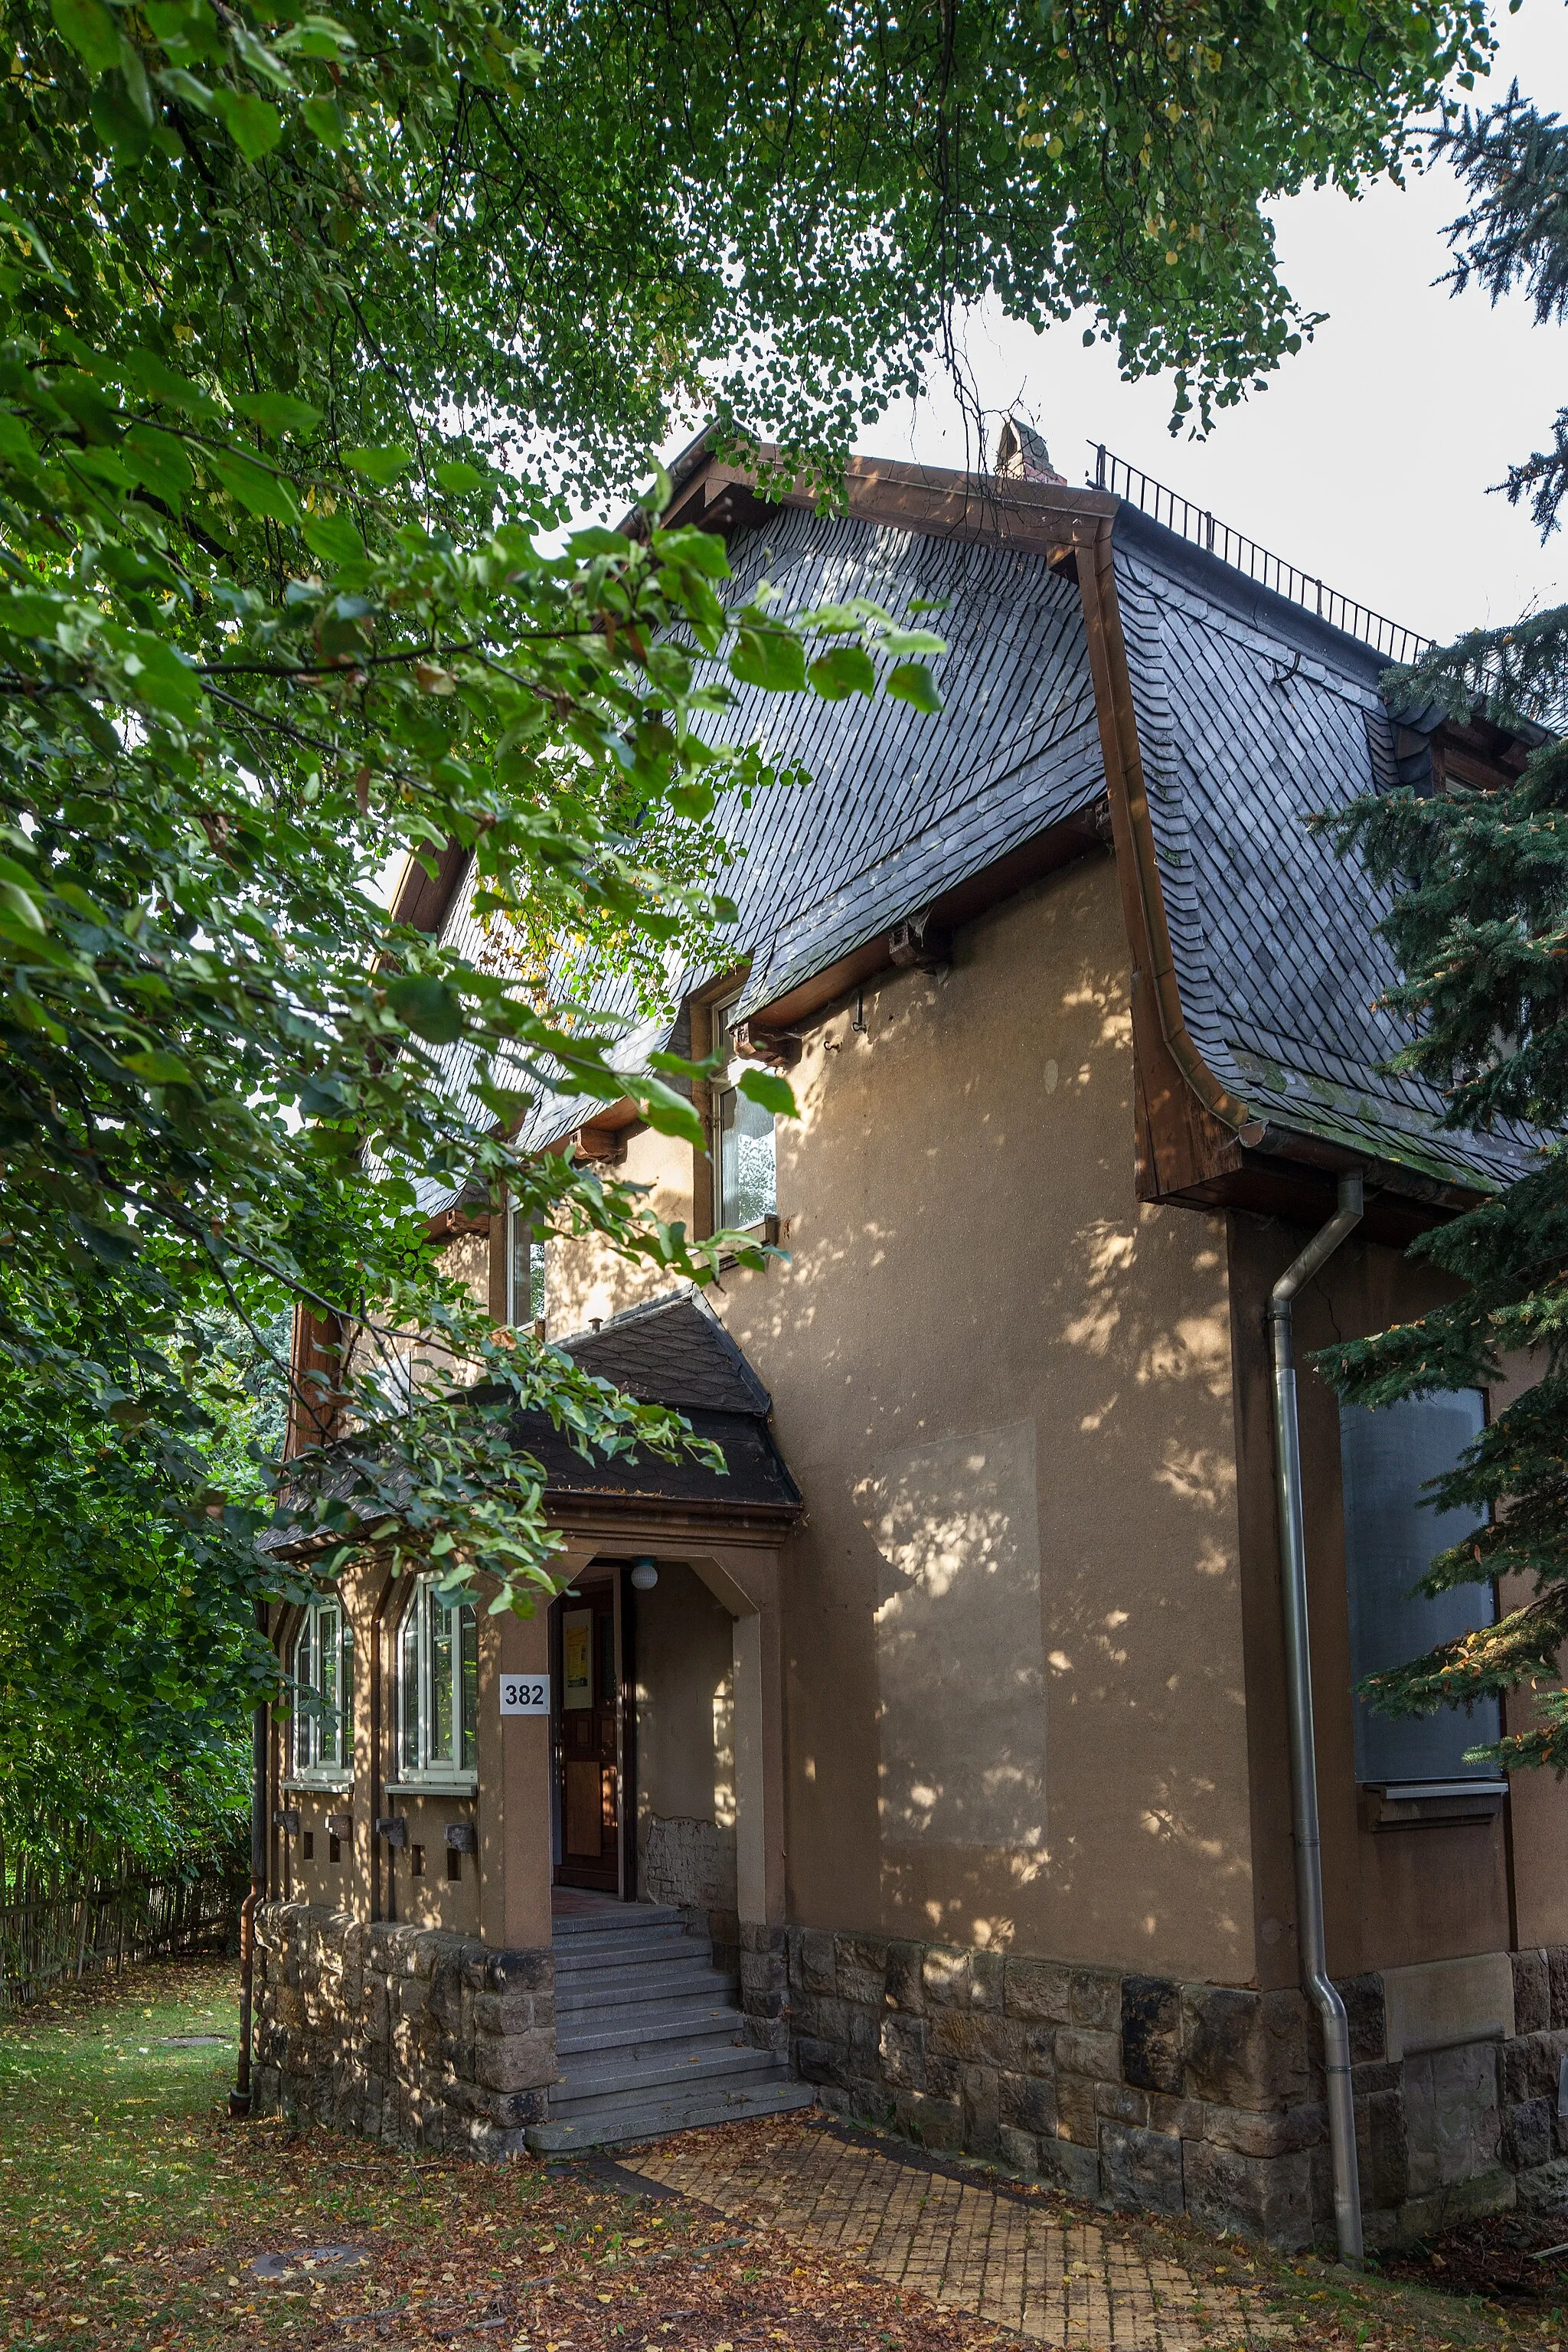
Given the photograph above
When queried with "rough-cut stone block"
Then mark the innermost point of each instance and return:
(1527, 2135)
(1530, 2064)
(1151, 2032)
(935, 2123)
(1038, 1991)
(504, 2012)
(525, 1970)
(1018, 2150)
(1071, 2167)
(1080, 2051)
(1557, 1977)
(981, 2120)
(1260, 2196)
(818, 1970)
(1264, 2131)
(1026, 2104)
(1246, 2049)
(1366, 2017)
(904, 1989)
(815, 2060)
(1119, 2103)
(1075, 2116)
(901, 2046)
(1096, 2000)
(1531, 1994)
(1182, 2118)
(514, 2062)
(1141, 2169)
(1545, 2188)
(1452, 2116)
(944, 1976)
(860, 1967)
(986, 1973)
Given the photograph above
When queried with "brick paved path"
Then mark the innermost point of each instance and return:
(1061, 2280)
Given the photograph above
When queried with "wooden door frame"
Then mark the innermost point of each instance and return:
(595, 1573)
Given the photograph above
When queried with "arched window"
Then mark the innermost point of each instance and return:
(438, 1686)
(323, 1668)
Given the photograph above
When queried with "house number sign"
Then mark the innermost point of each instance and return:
(525, 1693)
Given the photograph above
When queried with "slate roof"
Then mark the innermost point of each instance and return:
(1251, 715)
(672, 1351)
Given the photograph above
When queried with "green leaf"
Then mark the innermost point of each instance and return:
(382, 467)
(91, 30)
(846, 670)
(278, 413)
(428, 1007)
(253, 125)
(258, 492)
(159, 1067)
(597, 541)
(158, 461)
(325, 119)
(335, 538)
(456, 477)
(160, 679)
(16, 444)
(773, 659)
(19, 903)
(769, 1092)
(145, 373)
(259, 58)
(115, 1244)
(912, 682)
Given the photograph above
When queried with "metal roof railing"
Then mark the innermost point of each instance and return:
(1391, 638)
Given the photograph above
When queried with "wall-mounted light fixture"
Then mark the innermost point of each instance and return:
(644, 1575)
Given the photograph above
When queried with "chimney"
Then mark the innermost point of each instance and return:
(1022, 455)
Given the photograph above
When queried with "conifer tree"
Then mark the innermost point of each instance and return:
(1480, 926)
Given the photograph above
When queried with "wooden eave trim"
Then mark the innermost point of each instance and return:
(423, 900)
(1137, 856)
(1045, 852)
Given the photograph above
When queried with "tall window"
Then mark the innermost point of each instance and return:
(438, 1685)
(746, 1161)
(1391, 1536)
(323, 1670)
(524, 1274)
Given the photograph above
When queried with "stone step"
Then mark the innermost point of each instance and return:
(671, 1980)
(567, 1926)
(606, 2122)
(647, 1946)
(668, 2065)
(625, 2028)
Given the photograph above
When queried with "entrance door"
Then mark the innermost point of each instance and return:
(590, 1746)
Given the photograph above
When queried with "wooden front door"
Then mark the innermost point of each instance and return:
(589, 1737)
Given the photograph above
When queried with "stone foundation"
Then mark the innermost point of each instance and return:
(1143, 2092)
(411, 2035)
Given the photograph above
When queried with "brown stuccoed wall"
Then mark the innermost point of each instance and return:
(411, 2035)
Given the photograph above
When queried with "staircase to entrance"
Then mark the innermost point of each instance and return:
(649, 2034)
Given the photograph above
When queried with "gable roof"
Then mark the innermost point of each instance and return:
(1244, 714)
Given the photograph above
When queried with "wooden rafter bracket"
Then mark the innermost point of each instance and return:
(777, 1049)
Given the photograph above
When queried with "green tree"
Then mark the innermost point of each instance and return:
(291, 304)
(1480, 926)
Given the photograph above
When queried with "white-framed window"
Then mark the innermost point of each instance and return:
(438, 1686)
(745, 1155)
(524, 1273)
(1391, 1536)
(323, 1667)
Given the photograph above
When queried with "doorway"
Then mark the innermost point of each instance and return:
(590, 1646)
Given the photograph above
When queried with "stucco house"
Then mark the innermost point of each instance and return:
(937, 1763)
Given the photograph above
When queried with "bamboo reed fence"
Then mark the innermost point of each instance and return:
(51, 1933)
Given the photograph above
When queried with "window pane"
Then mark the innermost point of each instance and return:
(519, 1270)
(1391, 1539)
(440, 1680)
(408, 1688)
(536, 1282)
(346, 1703)
(327, 1671)
(302, 1678)
(469, 1625)
(748, 1174)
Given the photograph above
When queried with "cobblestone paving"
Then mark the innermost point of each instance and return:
(1020, 2263)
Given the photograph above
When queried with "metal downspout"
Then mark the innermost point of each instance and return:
(1310, 1940)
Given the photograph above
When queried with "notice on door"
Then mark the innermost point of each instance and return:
(525, 1693)
(577, 1658)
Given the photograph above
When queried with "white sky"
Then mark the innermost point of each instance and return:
(1368, 460)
